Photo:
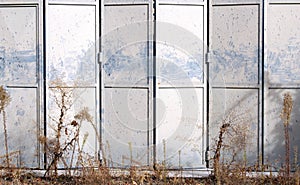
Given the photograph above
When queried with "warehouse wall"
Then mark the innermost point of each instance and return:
(154, 93)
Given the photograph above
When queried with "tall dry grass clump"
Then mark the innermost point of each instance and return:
(4, 101)
(230, 160)
(56, 147)
(65, 141)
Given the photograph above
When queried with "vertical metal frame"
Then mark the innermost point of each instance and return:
(152, 86)
(45, 81)
(264, 90)
(41, 80)
(261, 54)
(154, 82)
(45, 84)
(101, 81)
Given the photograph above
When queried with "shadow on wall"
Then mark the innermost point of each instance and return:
(239, 110)
(282, 69)
(274, 129)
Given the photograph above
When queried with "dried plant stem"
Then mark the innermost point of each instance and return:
(58, 155)
(4, 101)
(78, 145)
(130, 150)
(217, 155)
(58, 150)
(286, 117)
(287, 151)
(5, 138)
(58, 133)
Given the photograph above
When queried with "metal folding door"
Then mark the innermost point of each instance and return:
(156, 91)
(154, 105)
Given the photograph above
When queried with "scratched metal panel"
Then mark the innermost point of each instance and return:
(180, 126)
(235, 44)
(180, 45)
(22, 128)
(72, 44)
(72, 38)
(18, 45)
(238, 107)
(79, 99)
(125, 125)
(126, 45)
(180, 121)
(283, 44)
(274, 142)
(19, 66)
(125, 128)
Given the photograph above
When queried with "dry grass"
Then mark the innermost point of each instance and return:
(4, 101)
(229, 161)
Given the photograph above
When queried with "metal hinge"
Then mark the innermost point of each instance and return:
(100, 57)
(207, 158)
(208, 57)
(100, 157)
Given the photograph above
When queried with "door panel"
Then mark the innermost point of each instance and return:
(181, 84)
(72, 70)
(180, 128)
(239, 108)
(180, 44)
(72, 48)
(235, 43)
(126, 45)
(126, 84)
(283, 44)
(282, 76)
(19, 74)
(126, 128)
(235, 80)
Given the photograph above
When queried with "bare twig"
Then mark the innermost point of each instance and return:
(4, 101)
